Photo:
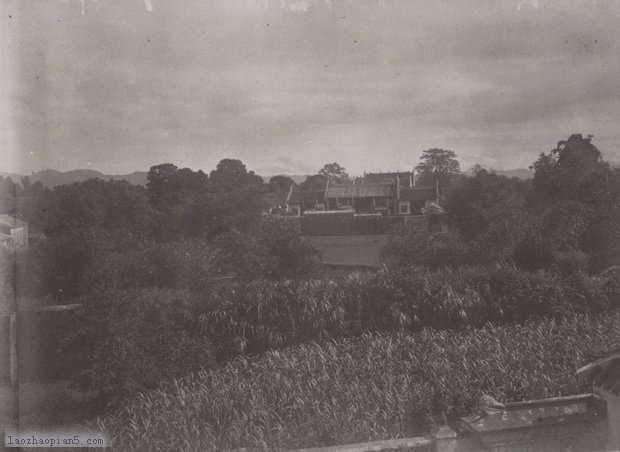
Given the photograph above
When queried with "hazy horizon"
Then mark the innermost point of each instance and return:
(288, 85)
(208, 170)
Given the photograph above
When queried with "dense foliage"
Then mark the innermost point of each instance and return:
(271, 250)
(334, 172)
(369, 388)
(83, 262)
(183, 264)
(567, 219)
(437, 167)
(128, 341)
(177, 203)
(261, 315)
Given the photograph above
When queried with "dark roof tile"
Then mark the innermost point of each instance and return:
(405, 178)
(366, 190)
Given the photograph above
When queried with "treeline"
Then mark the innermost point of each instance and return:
(109, 234)
(177, 203)
(566, 219)
(86, 261)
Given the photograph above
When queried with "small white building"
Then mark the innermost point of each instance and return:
(13, 232)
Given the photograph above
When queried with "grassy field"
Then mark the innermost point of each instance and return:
(350, 249)
(369, 388)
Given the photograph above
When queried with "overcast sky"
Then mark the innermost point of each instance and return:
(288, 85)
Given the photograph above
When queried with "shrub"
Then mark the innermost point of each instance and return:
(370, 388)
(260, 315)
(532, 254)
(571, 262)
(63, 267)
(273, 249)
(128, 341)
(412, 246)
(57, 266)
(182, 264)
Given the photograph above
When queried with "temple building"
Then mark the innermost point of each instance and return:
(389, 194)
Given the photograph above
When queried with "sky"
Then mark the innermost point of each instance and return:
(289, 85)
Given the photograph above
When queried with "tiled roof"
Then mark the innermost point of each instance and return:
(417, 194)
(604, 371)
(309, 196)
(405, 178)
(366, 190)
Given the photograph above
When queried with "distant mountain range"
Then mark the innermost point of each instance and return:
(53, 178)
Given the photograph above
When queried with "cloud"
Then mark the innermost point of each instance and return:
(311, 80)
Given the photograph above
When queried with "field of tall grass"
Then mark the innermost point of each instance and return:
(130, 339)
(263, 315)
(372, 387)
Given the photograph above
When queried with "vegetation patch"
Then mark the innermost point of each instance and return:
(368, 388)
(263, 315)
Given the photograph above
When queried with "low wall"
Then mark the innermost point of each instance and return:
(350, 250)
(420, 444)
(340, 225)
(553, 425)
(346, 223)
(326, 224)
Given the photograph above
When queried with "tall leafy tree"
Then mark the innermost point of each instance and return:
(281, 183)
(192, 204)
(177, 195)
(333, 171)
(92, 203)
(577, 195)
(437, 167)
(562, 172)
(234, 200)
(314, 182)
(170, 185)
(232, 175)
(485, 201)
